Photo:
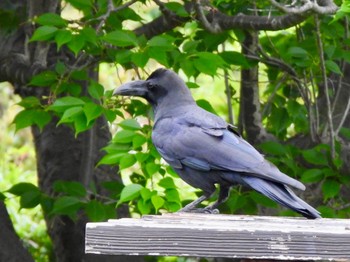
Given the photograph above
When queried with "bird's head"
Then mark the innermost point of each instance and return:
(160, 87)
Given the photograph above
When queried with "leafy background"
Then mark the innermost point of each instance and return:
(203, 61)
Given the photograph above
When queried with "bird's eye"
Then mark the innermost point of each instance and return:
(151, 86)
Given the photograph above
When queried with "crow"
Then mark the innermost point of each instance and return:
(206, 151)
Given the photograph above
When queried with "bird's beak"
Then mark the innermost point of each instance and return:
(133, 88)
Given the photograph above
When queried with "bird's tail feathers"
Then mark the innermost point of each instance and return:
(282, 195)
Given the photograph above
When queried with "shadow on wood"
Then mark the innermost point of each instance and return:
(200, 235)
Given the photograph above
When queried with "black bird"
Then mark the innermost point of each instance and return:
(204, 150)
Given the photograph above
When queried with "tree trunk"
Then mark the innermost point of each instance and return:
(11, 248)
(250, 114)
(60, 156)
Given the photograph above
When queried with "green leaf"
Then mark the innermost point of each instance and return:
(41, 118)
(24, 119)
(123, 56)
(138, 141)
(76, 44)
(162, 41)
(30, 199)
(111, 159)
(159, 55)
(172, 195)
(157, 202)
(21, 188)
(46, 78)
(273, 148)
(29, 102)
(261, 199)
(89, 34)
(140, 59)
(146, 194)
(172, 206)
(121, 38)
(81, 4)
(71, 188)
(92, 111)
(62, 104)
(66, 205)
(167, 182)
(80, 123)
(68, 115)
(235, 58)
(51, 19)
(144, 206)
(95, 90)
(345, 132)
(2, 197)
(141, 157)
(297, 52)
(29, 117)
(127, 161)
(124, 136)
(205, 105)
(315, 157)
(130, 192)
(44, 33)
(177, 8)
(130, 124)
(152, 168)
(333, 67)
(208, 63)
(312, 175)
(95, 210)
(117, 148)
(188, 67)
(63, 37)
(330, 188)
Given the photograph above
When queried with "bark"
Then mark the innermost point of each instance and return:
(250, 114)
(60, 156)
(11, 248)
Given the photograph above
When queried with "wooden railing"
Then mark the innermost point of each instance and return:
(200, 235)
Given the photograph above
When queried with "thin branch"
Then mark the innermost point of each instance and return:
(314, 123)
(325, 82)
(343, 65)
(213, 27)
(112, 9)
(327, 7)
(344, 117)
(271, 97)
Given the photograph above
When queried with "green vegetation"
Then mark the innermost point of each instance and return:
(300, 82)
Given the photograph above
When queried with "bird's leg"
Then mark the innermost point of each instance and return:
(223, 195)
(191, 206)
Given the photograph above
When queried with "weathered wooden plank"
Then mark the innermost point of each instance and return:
(200, 235)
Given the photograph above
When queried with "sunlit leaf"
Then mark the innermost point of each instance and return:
(51, 19)
(130, 192)
(44, 33)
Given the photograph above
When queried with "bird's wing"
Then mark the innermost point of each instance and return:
(203, 146)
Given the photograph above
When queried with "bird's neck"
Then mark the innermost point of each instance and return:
(169, 108)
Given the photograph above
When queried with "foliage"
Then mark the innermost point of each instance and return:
(17, 164)
(288, 100)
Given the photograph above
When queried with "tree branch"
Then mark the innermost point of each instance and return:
(325, 82)
(212, 27)
(319, 7)
(216, 21)
(111, 9)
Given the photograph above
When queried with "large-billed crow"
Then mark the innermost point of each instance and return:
(204, 150)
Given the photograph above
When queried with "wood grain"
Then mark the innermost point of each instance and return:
(200, 235)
